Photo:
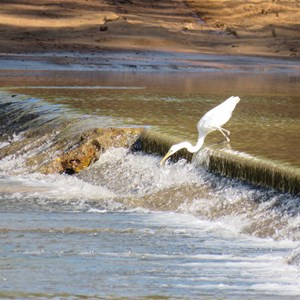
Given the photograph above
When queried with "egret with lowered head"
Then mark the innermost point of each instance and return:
(211, 121)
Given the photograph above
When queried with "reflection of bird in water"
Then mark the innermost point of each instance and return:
(211, 121)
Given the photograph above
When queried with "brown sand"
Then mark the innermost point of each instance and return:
(268, 28)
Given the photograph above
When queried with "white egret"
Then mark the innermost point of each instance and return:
(211, 121)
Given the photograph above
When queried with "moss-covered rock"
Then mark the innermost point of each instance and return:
(89, 148)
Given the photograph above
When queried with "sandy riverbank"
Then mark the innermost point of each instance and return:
(264, 28)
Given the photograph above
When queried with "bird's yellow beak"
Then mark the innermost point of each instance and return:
(165, 157)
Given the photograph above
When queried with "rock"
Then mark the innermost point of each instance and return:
(103, 28)
(188, 26)
(110, 18)
(89, 149)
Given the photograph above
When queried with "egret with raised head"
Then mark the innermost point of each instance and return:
(211, 121)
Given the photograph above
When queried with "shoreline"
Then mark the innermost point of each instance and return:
(147, 61)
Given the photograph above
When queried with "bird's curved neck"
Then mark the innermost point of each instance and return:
(198, 146)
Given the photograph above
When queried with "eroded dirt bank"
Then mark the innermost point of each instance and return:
(268, 28)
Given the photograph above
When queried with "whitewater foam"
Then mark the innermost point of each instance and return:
(137, 174)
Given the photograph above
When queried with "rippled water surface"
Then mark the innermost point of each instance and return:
(265, 123)
(101, 254)
(126, 228)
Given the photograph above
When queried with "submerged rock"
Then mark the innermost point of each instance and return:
(89, 148)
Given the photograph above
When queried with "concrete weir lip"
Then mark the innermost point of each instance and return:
(229, 163)
(216, 159)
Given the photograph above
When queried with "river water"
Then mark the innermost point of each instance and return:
(265, 124)
(126, 228)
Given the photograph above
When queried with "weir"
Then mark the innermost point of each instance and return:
(229, 163)
(54, 145)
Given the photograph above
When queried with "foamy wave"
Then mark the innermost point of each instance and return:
(138, 174)
(58, 186)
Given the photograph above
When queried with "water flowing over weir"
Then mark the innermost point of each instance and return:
(230, 163)
(118, 225)
(39, 138)
(37, 117)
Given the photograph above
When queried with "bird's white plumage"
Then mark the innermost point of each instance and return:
(211, 121)
(218, 116)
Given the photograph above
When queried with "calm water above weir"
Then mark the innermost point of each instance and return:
(126, 227)
(265, 123)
